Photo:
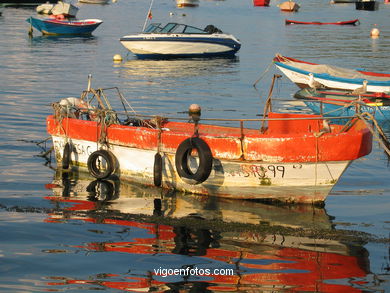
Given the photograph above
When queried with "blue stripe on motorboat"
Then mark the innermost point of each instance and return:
(225, 42)
(334, 78)
(227, 54)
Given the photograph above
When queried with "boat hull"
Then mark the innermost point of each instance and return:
(102, 2)
(336, 103)
(289, 6)
(261, 2)
(56, 27)
(25, 2)
(289, 182)
(367, 5)
(347, 22)
(343, 1)
(272, 167)
(302, 79)
(187, 3)
(331, 109)
(180, 46)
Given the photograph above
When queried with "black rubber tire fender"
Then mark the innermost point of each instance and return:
(92, 164)
(205, 160)
(157, 170)
(66, 156)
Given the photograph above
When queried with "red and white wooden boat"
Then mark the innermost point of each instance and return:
(303, 74)
(293, 158)
(347, 22)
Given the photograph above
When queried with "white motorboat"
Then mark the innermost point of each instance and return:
(180, 40)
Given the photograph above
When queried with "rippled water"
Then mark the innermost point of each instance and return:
(64, 233)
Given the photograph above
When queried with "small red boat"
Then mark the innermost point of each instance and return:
(261, 2)
(348, 22)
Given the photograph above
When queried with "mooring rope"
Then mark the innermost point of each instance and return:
(263, 73)
(381, 138)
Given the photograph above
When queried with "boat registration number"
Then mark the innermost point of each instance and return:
(264, 171)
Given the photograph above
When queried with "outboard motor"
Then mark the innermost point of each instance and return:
(212, 29)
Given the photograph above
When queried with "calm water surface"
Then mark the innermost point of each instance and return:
(69, 233)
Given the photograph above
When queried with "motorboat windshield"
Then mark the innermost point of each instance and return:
(176, 28)
(153, 28)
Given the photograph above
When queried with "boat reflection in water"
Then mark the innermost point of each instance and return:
(258, 246)
(169, 69)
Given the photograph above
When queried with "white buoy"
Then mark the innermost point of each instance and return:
(117, 58)
(374, 32)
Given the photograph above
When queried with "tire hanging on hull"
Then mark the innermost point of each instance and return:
(66, 156)
(205, 160)
(157, 170)
(101, 164)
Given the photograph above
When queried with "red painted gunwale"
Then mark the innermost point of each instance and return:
(347, 22)
(72, 23)
(284, 141)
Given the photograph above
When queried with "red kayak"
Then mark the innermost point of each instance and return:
(348, 22)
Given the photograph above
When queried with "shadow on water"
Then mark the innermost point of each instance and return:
(202, 244)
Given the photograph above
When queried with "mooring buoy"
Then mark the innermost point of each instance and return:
(117, 58)
(374, 32)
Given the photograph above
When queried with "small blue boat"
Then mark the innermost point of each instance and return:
(52, 26)
(334, 103)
